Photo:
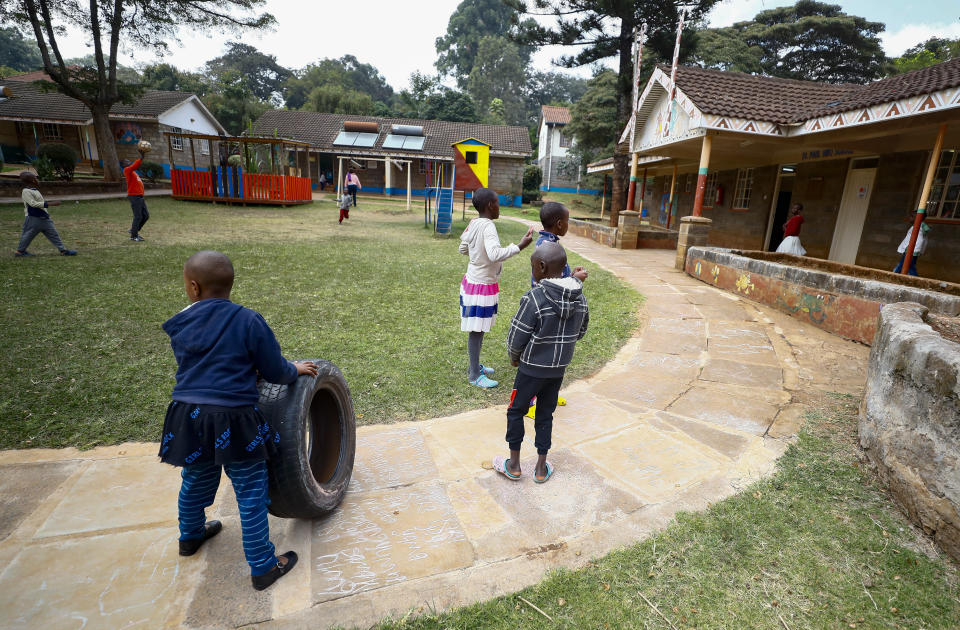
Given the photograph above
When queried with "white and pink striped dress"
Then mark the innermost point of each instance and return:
(479, 289)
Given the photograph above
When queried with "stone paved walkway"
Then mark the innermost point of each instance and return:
(697, 404)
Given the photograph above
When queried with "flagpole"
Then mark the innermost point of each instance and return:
(638, 40)
(673, 73)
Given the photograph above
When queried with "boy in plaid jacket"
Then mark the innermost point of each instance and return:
(552, 318)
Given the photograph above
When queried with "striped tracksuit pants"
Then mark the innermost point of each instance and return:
(198, 490)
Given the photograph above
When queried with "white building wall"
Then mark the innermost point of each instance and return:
(190, 117)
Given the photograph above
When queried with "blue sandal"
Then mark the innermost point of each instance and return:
(549, 474)
(484, 382)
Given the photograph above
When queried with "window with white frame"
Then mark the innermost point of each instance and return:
(204, 146)
(176, 142)
(710, 190)
(944, 200)
(564, 140)
(51, 131)
(741, 197)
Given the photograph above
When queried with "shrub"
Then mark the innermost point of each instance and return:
(235, 160)
(45, 169)
(151, 171)
(62, 158)
(532, 176)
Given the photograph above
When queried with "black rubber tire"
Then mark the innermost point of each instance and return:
(318, 442)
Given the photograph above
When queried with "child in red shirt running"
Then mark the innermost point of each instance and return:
(135, 196)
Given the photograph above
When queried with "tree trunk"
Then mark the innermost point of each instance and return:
(621, 170)
(106, 147)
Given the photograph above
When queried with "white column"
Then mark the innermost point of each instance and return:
(409, 188)
(387, 176)
(340, 179)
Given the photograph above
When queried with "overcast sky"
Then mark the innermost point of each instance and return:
(398, 37)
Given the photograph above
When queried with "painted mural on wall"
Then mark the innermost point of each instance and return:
(127, 133)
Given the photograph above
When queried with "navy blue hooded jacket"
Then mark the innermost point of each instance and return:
(220, 346)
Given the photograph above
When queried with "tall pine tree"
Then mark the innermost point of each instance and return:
(601, 29)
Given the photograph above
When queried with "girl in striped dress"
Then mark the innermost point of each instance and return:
(479, 289)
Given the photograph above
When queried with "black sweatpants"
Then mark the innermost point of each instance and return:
(140, 213)
(525, 387)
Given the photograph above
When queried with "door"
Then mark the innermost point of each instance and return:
(779, 218)
(853, 212)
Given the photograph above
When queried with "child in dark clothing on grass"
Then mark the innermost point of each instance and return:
(552, 317)
(213, 422)
(36, 218)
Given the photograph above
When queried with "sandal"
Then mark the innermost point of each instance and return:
(549, 474)
(484, 382)
(500, 465)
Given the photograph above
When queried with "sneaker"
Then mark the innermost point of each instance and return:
(484, 382)
(68, 252)
(137, 238)
(23, 254)
(486, 370)
(261, 582)
(190, 547)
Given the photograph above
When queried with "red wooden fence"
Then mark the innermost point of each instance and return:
(256, 187)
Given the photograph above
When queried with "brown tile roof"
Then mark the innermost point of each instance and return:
(554, 114)
(321, 129)
(789, 101)
(29, 102)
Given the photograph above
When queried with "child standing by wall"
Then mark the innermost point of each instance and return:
(791, 233)
(552, 317)
(480, 289)
(213, 422)
(37, 219)
(918, 248)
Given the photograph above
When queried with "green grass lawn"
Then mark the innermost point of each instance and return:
(817, 545)
(87, 362)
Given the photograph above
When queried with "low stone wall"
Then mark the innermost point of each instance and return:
(839, 303)
(12, 187)
(599, 232)
(647, 237)
(910, 420)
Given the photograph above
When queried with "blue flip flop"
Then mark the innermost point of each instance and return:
(500, 465)
(547, 478)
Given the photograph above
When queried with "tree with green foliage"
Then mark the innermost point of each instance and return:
(232, 102)
(347, 72)
(931, 52)
(263, 75)
(594, 123)
(17, 52)
(600, 29)
(470, 23)
(412, 102)
(163, 76)
(452, 105)
(810, 40)
(549, 88)
(141, 24)
(499, 72)
(336, 99)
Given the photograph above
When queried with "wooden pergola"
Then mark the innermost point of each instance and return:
(255, 182)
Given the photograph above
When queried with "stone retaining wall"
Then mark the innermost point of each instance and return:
(13, 188)
(838, 303)
(647, 237)
(910, 420)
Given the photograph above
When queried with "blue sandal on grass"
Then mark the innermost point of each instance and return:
(547, 478)
(484, 382)
(500, 465)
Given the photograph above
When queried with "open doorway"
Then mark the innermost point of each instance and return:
(781, 206)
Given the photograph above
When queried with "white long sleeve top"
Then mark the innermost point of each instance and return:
(919, 248)
(481, 241)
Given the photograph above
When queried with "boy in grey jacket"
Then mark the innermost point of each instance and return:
(552, 318)
(36, 218)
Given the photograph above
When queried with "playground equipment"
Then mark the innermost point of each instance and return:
(315, 419)
(438, 198)
(240, 179)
